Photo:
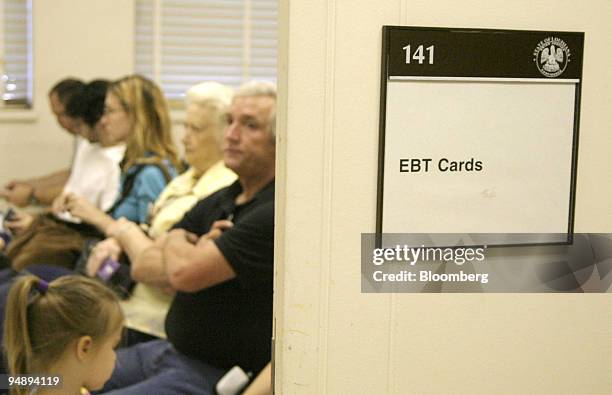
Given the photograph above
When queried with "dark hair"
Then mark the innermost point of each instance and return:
(66, 88)
(88, 102)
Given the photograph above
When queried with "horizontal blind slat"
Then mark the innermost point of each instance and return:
(203, 40)
(16, 42)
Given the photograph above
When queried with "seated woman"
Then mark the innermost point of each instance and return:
(136, 114)
(207, 109)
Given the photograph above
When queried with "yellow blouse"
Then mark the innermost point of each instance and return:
(183, 193)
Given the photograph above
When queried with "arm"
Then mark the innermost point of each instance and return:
(130, 236)
(47, 193)
(57, 177)
(17, 194)
(43, 189)
(149, 266)
(108, 248)
(97, 218)
(262, 385)
(194, 266)
(83, 209)
(124, 236)
(20, 222)
(246, 247)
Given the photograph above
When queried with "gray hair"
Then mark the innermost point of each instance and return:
(260, 88)
(214, 96)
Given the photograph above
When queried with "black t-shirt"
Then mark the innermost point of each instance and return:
(230, 323)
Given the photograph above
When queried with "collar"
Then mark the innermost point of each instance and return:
(228, 203)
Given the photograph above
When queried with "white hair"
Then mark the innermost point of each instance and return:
(214, 96)
(260, 88)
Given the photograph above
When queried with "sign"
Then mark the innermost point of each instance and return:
(479, 132)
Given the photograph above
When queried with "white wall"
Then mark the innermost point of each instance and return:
(330, 338)
(84, 39)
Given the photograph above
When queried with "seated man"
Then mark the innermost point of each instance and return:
(44, 189)
(95, 172)
(219, 259)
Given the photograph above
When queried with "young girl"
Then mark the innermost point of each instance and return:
(67, 328)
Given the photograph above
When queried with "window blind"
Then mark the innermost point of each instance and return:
(16, 53)
(180, 43)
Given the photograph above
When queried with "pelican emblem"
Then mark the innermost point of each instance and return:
(551, 56)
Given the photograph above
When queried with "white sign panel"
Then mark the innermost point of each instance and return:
(473, 142)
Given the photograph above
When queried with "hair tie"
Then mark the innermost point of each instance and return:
(42, 286)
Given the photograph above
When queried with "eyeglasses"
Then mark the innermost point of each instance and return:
(110, 110)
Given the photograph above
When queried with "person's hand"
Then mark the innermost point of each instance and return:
(13, 183)
(81, 208)
(18, 194)
(108, 248)
(59, 204)
(20, 222)
(217, 229)
(10, 184)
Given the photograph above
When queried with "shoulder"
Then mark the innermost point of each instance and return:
(257, 220)
(213, 179)
(215, 201)
(260, 213)
(185, 178)
(212, 200)
(220, 170)
(146, 179)
(150, 171)
(154, 172)
(81, 143)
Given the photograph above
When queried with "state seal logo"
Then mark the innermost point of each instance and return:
(551, 56)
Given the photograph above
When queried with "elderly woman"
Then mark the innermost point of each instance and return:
(135, 113)
(207, 108)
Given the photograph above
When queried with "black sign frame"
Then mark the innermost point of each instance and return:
(477, 60)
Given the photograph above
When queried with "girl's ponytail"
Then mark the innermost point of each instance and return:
(17, 342)
(41, 319)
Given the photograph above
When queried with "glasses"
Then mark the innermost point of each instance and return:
(110, 110)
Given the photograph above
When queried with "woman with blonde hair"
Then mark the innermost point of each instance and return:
(136, 112)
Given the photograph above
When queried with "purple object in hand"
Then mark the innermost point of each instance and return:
(6, 237)
(108, 268)
(10, 215)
